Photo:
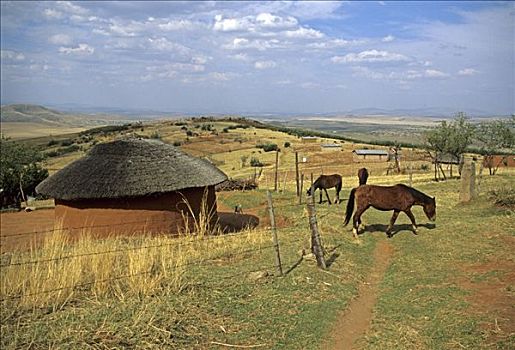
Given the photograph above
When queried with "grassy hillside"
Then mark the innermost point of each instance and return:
(28, 121)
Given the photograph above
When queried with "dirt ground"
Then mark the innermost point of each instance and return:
(356, 319)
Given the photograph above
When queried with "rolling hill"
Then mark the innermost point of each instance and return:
(26, 120)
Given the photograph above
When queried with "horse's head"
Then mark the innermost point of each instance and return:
(430, 209)
(309, 191)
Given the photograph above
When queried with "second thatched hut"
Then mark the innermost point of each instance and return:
(133, 186)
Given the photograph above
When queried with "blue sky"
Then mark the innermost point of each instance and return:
(257, 57)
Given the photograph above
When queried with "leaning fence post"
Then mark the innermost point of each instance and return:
(301, 188)
(276, 169)
(316, 246)
(297, 173)
(278, 265)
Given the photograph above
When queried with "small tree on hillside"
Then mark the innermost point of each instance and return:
(451, 138)
(20, 172)
(495, 136)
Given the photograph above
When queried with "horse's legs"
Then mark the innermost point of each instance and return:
(412, 218)
(392, 221)
(356, 219)
(338, 189)
(327, 195)
(320, 197)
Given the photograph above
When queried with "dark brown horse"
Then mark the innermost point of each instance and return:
(397, 198)
(363, 176)
(323, 183)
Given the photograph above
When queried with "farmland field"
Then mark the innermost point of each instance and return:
(449, 287)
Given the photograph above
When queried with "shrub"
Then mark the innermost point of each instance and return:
(177, 143)
(155, 135)
(287, 144)
(66, 142)
(52, 143)
(255, 162)
(503, 197)
(267, 147)
(424, 167)
(189, 133)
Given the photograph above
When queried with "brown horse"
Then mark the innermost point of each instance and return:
(323, 183)
(362, 176)
(397, 198)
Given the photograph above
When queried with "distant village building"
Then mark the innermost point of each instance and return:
(309, 139)
(132, 186)
(331, 147)
(447, 159)
(371, 153)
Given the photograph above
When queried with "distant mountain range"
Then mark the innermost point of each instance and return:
(86, 116)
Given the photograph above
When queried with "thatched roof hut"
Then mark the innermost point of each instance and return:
(132, 185)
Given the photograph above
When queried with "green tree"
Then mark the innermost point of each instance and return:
(20, 172)
(496, 136)
(451, 139)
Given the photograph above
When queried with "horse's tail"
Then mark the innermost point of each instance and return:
(350, 207)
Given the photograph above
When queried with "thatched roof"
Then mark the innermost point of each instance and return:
(130, 168)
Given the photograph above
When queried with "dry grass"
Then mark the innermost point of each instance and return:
(64, 268)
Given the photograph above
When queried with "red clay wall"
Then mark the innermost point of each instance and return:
(126, 216)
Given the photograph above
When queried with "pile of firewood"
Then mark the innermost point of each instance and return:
(235, 185)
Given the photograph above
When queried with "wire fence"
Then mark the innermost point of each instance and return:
(286, 244)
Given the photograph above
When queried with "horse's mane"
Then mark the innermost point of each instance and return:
(417, 194)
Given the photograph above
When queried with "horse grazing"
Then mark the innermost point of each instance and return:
(362, 176)
(323, 183)
(397, 198)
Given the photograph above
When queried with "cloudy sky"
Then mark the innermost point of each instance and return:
(244, 57)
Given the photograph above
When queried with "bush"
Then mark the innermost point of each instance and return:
(255, 162)
(66, 142)
(503, 197)
(177, 143)
(424, 167)
(267, 147)
(52, 143)
(189, 133)
(155, 135)
(287, 144)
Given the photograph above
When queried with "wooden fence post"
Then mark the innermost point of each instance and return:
(297, 173)
(301, 188)
(410, 169)
(278, 264)
(316, 245)
(276, 169)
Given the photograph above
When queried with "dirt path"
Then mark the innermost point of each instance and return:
(355, 320)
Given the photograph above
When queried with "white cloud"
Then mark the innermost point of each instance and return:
(388, 38)
(172, 25)
(241, 57)
(304, 33)
(60, 39)
(264, 64)
(267, 20)
(163, 44)
(12, 55)
(82, 49)
(433, 73)
(70, 7)
(218, 76)
(369, 56)
(262, 22)
(50, 13)
(468, 71)
(259, 44)
(231, 24)
(334, 43)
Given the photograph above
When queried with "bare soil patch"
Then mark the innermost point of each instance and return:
(355, 320)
